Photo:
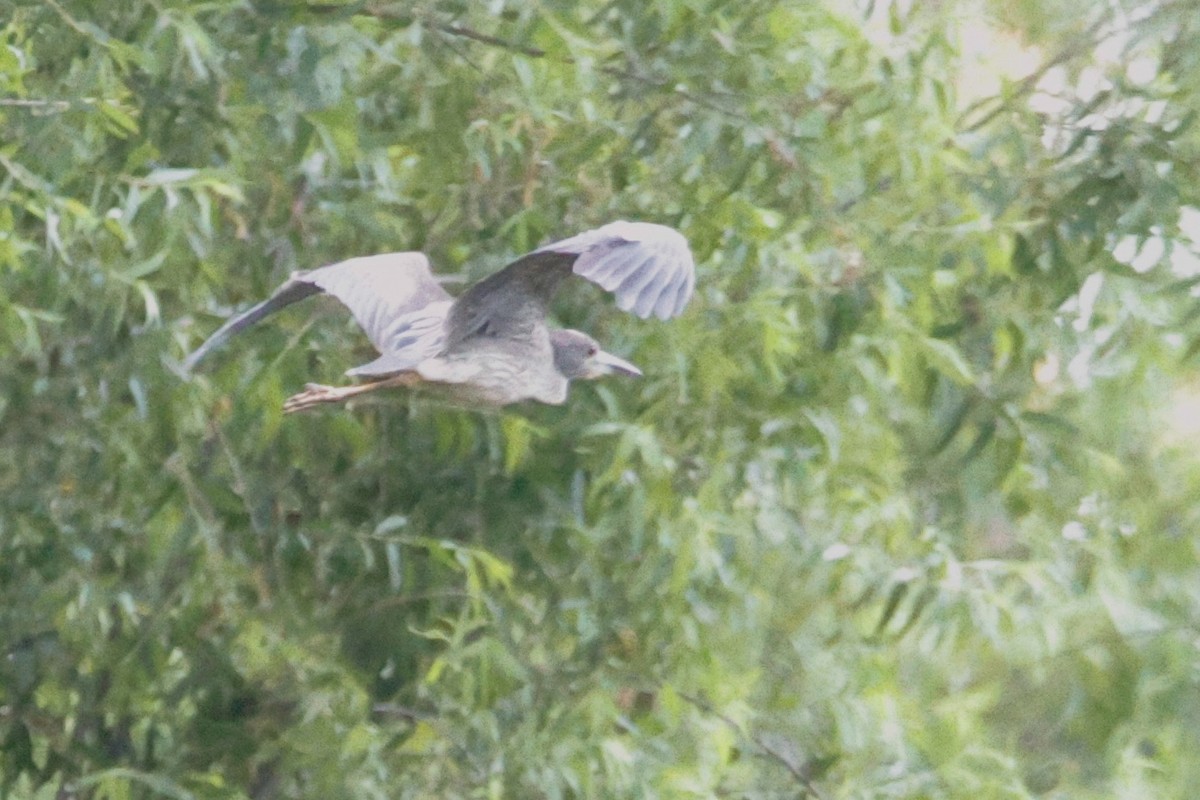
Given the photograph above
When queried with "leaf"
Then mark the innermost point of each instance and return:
(953, 424)
(986, 431)
(123, 122)
(830, 433)
(946, 359)
(1023, 258)
(519, 435)
(116, 781)
(424, 738)
(1054, 422)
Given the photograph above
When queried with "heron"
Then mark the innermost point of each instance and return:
(492, 346)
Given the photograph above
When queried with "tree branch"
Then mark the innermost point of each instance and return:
(615, 72)
(494, 41)
(461, 31)
(770, 751)
(57, 105)
(1086, 41)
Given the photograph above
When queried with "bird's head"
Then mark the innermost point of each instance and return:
(577, 355)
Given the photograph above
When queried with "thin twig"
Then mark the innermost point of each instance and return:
(395, 710)
(494, 41)
(59, 105)
(461, 31)
(769, 750)
(1087, 40)
(615, 72)
(417, 597)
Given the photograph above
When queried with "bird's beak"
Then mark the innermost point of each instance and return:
(603, 363)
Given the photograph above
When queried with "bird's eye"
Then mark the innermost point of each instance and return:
(593, 350)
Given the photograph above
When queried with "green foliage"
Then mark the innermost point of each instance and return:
(903, 508)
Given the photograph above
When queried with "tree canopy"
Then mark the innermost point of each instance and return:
(905, 505)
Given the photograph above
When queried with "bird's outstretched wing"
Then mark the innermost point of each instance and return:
(648, 267)
(386, 294)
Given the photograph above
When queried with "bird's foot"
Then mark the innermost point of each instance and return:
(314, 394)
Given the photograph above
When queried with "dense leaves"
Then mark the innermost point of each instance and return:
(903, 508)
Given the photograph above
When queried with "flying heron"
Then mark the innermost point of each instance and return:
(492, 345)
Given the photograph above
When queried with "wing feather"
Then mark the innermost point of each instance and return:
(647, 267)
(612, 255)
(378, 290)
(638, 275)
(384, 293)
(652, 294)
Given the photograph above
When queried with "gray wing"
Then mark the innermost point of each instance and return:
(648, 267)
(392, 296)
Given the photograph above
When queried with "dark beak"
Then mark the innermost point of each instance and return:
(603, 363)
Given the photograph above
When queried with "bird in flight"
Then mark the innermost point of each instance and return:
(492, 345)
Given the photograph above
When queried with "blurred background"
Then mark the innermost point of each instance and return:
(905, 506)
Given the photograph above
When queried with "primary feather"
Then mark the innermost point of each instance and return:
(390, 296)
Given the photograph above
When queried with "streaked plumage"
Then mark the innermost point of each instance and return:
(491, 346)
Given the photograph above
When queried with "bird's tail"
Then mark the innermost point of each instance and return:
(291, 292)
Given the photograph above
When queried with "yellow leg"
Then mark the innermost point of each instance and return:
(316, 394)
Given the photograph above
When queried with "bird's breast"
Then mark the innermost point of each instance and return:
(496, 376)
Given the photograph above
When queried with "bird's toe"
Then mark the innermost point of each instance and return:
(313, 394)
